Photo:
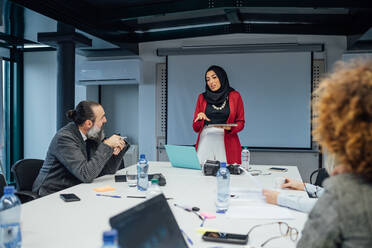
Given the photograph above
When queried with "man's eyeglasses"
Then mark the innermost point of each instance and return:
(284, 228)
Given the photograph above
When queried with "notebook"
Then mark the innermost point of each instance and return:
(148, 224)
(183, 156)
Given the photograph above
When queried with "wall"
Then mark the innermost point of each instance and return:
(40, 104)
(121, 107)
(334, 48)
(40, 101)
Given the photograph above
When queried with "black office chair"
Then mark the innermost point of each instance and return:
(25, 172)
(322, 174)
(2, 184)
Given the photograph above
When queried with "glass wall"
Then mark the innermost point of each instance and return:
(2, 136)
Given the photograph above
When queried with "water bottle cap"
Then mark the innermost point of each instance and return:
(110, 236)
(223, 164)
(142, 156)
(154, 180)
(9, 190)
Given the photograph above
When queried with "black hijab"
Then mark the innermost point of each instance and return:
(219, 96)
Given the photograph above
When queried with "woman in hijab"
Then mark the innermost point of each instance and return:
(219, 104)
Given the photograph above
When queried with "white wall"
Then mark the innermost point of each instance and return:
(121, 107)
(40, 102)
(349, 56)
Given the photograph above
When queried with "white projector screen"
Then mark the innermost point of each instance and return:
(275, 88)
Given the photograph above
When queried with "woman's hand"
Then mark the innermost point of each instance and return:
(201, 116)
(271, 196)
(293, 184)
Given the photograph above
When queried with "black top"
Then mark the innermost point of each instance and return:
(217, 116)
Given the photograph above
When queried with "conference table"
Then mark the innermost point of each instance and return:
(50, 222)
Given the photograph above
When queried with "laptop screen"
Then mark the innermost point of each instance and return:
(183, 156)
(150, 224)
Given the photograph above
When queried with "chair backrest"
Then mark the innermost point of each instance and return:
(25, 172)
(321, 176)
(2, 184)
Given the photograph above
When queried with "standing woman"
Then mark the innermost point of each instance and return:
(219, 104)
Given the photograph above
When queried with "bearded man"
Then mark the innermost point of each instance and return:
(77, 153)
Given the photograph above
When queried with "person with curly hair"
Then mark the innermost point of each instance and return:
(342, 216)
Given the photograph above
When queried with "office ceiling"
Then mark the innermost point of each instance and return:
(126, 23)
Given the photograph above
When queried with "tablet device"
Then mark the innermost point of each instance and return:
(223, 125)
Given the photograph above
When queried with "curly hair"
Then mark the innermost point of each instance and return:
(344, 122)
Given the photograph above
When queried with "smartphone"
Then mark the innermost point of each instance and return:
(226, 237)
(278, 169)
(69, 197)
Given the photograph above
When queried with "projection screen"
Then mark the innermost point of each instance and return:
(275, 88)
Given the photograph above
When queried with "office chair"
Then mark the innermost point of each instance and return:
(2, 184)
(322, 174)
(25, 172)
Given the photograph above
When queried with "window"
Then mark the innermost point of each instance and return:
(2, 136)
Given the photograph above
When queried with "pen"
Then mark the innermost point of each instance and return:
(144, 197)
(188, 209)
(195, 210)
(113, 196)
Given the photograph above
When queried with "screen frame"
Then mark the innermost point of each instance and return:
(308, 148)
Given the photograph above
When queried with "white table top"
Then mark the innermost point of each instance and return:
(50, 222)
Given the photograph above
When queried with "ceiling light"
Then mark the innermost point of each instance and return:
(35, 46)
(182, 27)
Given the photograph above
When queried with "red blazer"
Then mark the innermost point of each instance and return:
(232, 143)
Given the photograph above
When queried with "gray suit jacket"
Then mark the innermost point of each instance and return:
(66, 163)
(342, 217)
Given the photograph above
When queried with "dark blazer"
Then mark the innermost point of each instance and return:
(67, 164)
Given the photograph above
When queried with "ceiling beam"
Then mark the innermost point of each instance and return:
(79, 14)
(241, 48)
(309, 19)
(162, 8)
(233, 16)
(67, 11)
(322, 29)
(13, 40)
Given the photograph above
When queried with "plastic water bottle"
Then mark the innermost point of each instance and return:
(10, 215)
(110, 239)
(142, 177)
(246, 157)
(223, 188)
(154, 189)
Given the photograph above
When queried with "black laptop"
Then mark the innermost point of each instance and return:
(150, 224)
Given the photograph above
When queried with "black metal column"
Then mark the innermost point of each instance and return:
(65, 76)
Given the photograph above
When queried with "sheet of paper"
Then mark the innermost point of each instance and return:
(254, 180)
(244, 194)
(259, 211)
